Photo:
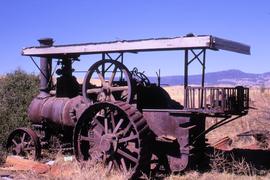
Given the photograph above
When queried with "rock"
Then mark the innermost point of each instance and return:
(16, 163)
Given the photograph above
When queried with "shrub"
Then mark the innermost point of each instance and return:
(17, 89)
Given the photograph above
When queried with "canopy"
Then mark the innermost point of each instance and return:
(141, 45)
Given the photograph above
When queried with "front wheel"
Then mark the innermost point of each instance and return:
(24, 142)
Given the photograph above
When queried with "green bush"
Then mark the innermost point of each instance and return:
(17, 89)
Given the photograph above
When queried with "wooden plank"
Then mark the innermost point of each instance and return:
(228, 45)
(161, 44)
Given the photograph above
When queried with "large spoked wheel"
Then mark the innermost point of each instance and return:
(115, 134)
(108, 80)
(24, 142)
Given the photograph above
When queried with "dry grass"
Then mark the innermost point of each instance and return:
(73, 170)
(225, 164)
(176, 93)
(258, 118)
(70, 170)
(215, 176)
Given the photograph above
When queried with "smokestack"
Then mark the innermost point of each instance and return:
(46, 67)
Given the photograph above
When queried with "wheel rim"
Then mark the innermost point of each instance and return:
(24, 142)
(105, 133)
(140, 77)
(101, 84)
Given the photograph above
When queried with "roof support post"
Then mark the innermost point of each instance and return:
(203, 68)
(200, 56)
(203, 77)
(103, 65)
(122, 61)
(186, 78)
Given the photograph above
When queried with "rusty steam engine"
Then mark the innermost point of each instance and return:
(118, 116)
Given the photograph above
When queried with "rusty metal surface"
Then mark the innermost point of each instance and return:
(114, 133)
(223, 143)
(60, 111)
(108, 88)
(45, 67)
(166, 126)
(24, 142)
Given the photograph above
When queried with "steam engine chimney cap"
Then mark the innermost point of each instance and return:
(46, 41)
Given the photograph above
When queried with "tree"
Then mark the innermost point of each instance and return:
(17, 89)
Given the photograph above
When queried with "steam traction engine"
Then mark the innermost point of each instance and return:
(119, 117)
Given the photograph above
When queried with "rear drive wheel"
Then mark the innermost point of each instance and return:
(115, 134)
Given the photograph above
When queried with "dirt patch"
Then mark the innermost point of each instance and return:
(16, 163)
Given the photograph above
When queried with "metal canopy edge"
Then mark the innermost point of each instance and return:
(160, 44)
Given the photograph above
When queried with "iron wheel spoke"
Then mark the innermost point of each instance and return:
(13, 140)
(124, 165)
(127, 156)
(116, 165)
(28, 145)
(109, 168)
(118, 126)
(112, 119)
(87, 138)
(106, 125)
(129, 138)
(23, 137)
(94, 90)
(113, 75)
(118, 88)
(99, 124)
(124, 132)
(100, 76)
(104, 157)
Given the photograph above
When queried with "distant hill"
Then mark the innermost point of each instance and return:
(229, 77)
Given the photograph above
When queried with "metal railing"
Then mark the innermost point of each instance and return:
(217, 99)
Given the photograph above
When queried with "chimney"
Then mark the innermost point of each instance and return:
(45, 67)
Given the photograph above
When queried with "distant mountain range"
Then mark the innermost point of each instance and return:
(230, 77)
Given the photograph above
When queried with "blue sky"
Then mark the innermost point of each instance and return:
(23, 22)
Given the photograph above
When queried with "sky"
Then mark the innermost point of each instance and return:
(81, 21)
